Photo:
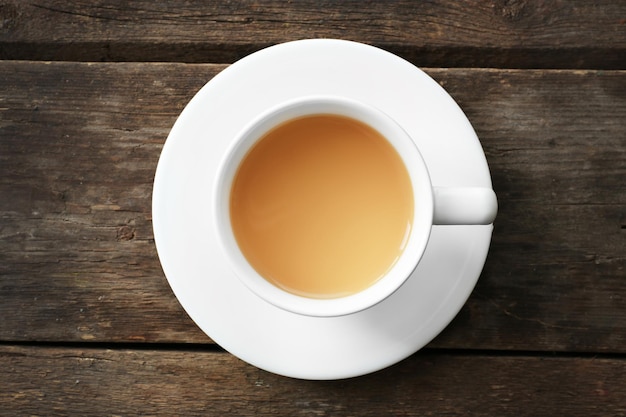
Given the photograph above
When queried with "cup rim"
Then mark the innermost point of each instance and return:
(418, 235)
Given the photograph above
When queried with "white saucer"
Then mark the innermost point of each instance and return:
(198, 272)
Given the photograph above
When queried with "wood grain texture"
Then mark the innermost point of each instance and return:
(79, 145)
(95, 382)
(556, 145)
(78, 151)
(89, 325)
(496, 33)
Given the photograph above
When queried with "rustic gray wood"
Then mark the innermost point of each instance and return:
(88, 323)
(499, 33)
(556, 145)
(95, 382)
(79, 143)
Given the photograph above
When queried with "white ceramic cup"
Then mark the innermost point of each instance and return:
(432, 205)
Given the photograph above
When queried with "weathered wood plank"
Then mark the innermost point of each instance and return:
(556, 145)
(78, 150)
(79, 144)
(95, 382)
(498, 33)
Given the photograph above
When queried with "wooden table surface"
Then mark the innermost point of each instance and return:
(88, 93)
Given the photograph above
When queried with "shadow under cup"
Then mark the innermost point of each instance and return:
(324, 206)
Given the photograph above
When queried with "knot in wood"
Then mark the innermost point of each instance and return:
(126, 233)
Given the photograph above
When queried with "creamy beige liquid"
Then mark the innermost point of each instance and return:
(321, 206)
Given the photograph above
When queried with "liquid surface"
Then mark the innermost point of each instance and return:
(321, 206)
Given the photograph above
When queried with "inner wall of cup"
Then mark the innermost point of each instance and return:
(422, 216)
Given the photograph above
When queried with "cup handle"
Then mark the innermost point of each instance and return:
(464, 205)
